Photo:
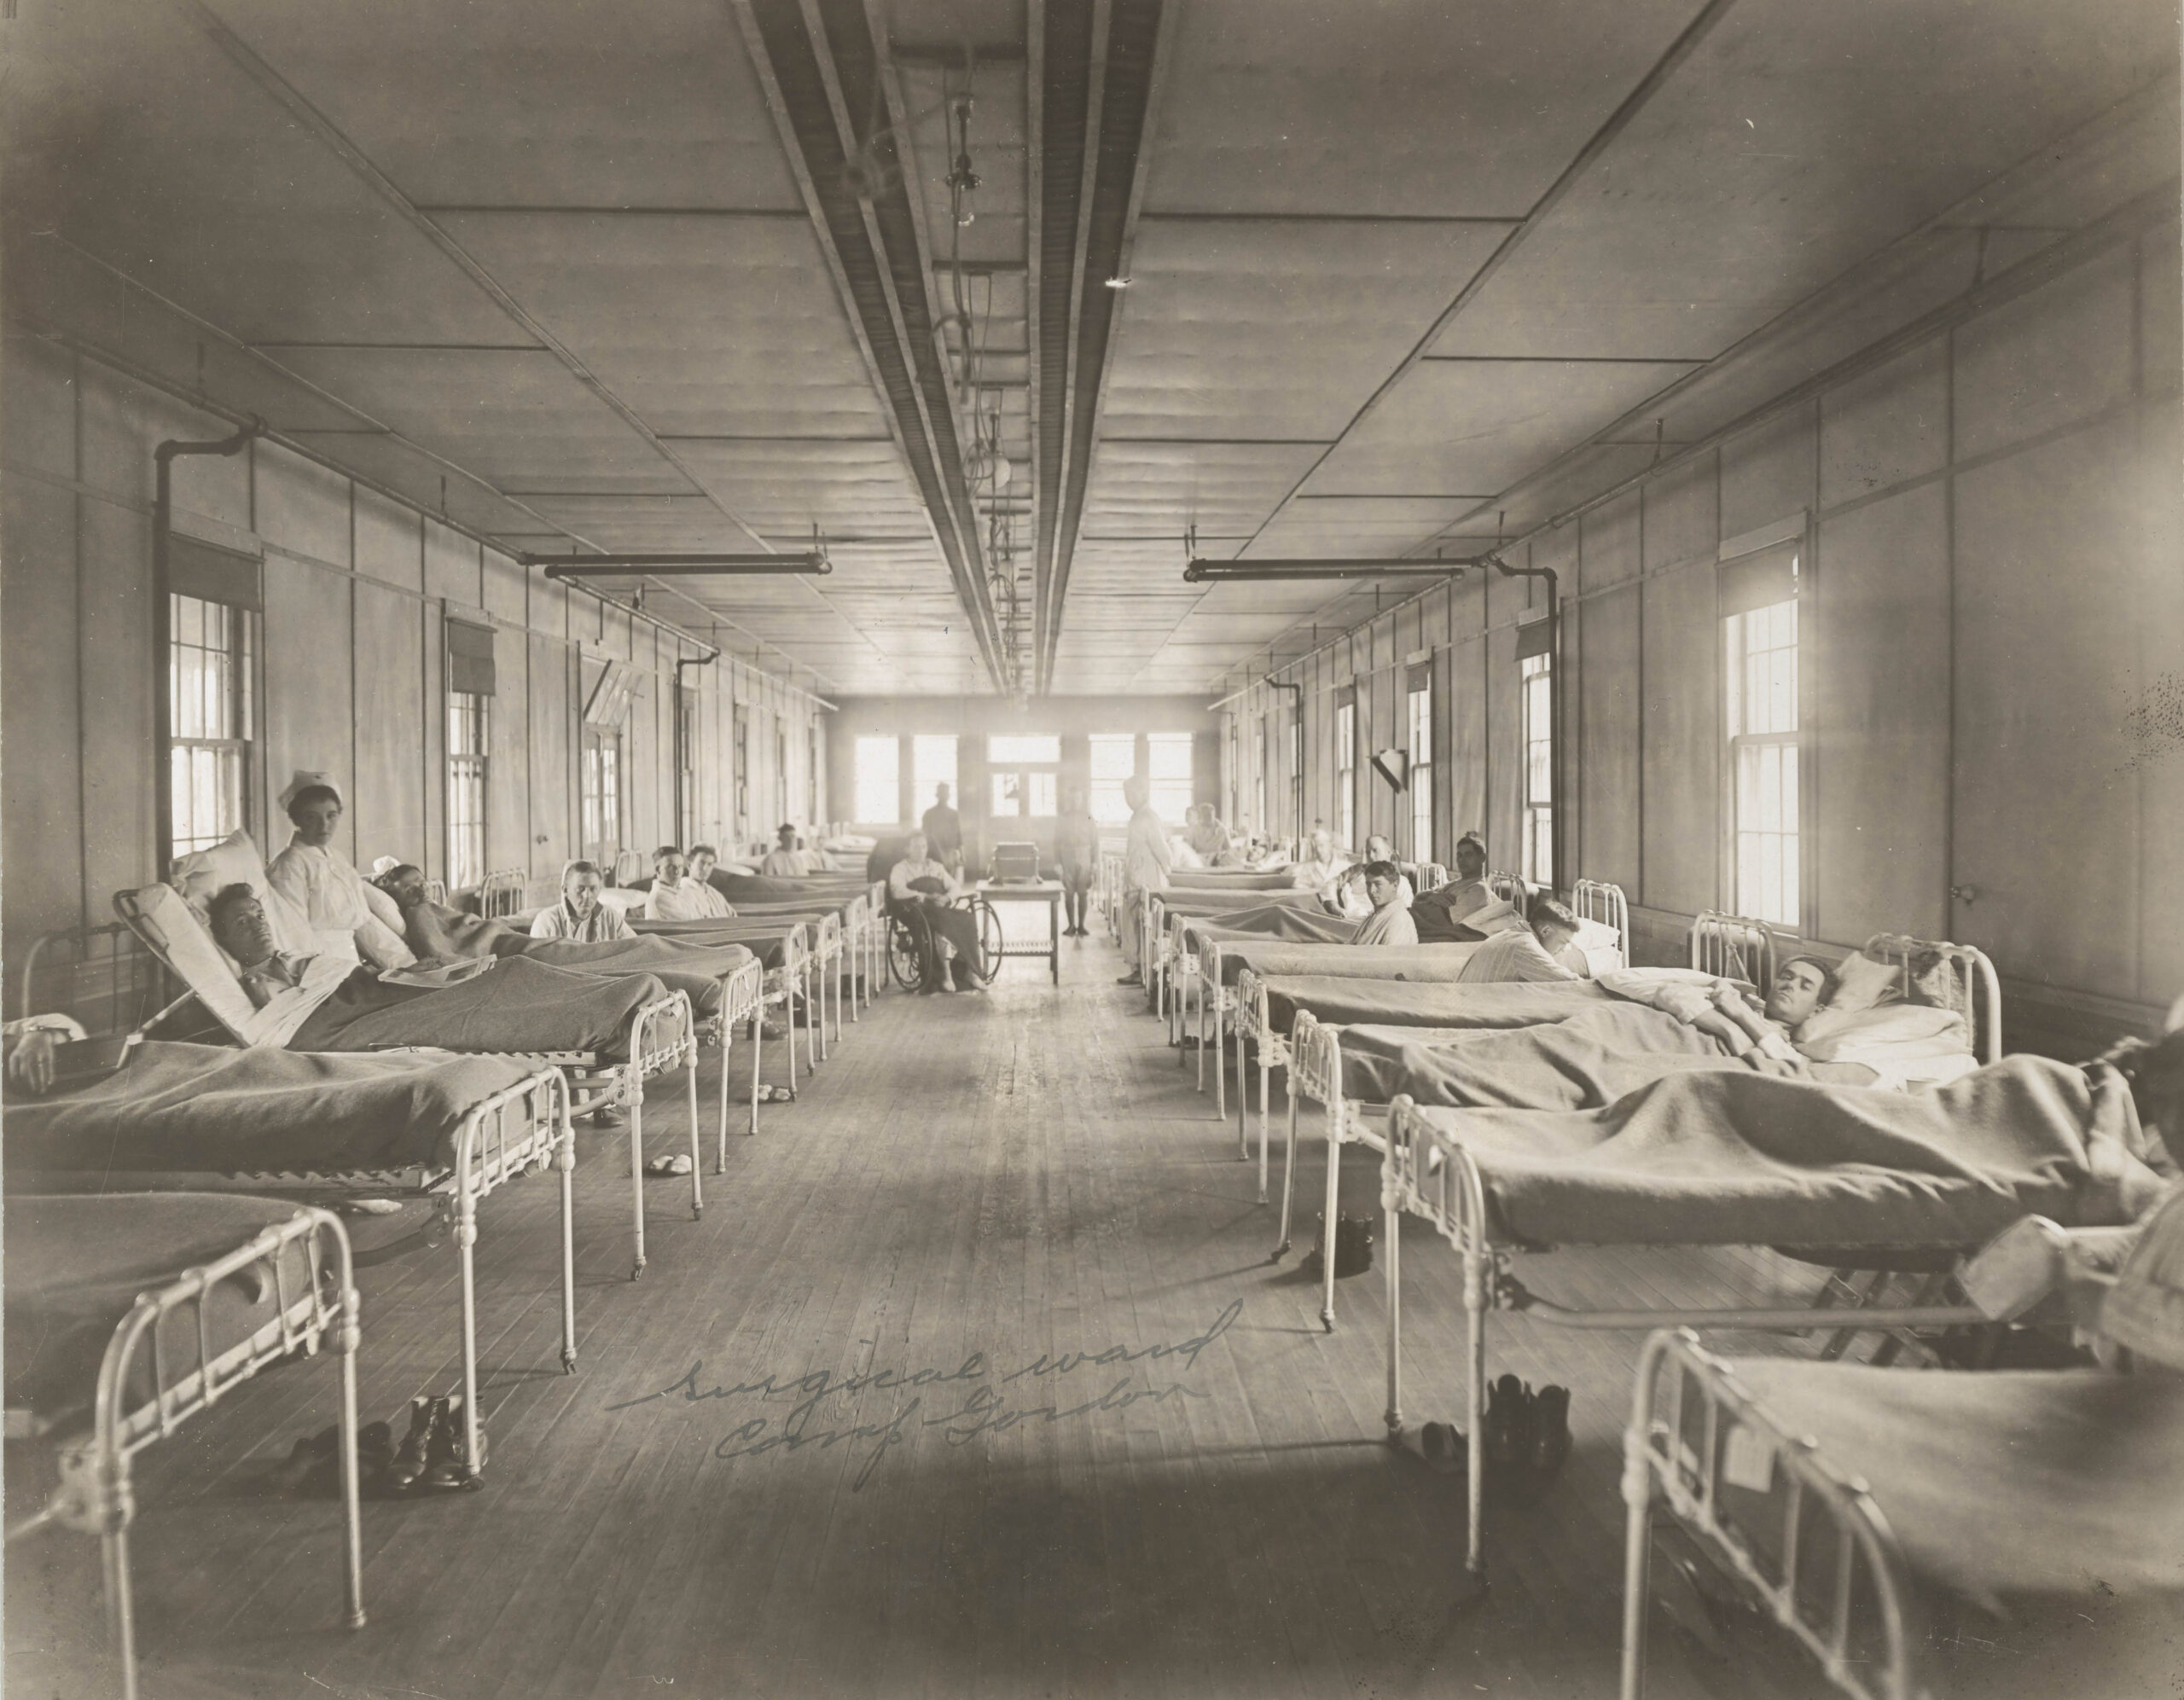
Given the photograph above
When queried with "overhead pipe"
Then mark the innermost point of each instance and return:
(1202, 571)
(701, 565)
(163, 459)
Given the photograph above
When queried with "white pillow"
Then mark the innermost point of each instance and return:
(202, 875)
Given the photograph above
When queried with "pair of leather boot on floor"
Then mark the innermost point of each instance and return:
(1527, 1433)
(431, 1457)
(1353, 1247)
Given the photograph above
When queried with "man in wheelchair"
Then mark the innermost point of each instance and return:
(921, 895)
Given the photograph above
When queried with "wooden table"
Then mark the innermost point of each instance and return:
(1047, 892)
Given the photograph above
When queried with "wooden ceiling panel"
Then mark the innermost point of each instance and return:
(1408, 110)
(1773, 160)
(704, 326)
(514, 102)
(1463, 427)
(1275, 328)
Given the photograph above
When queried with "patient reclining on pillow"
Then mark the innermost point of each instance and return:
(241, 926)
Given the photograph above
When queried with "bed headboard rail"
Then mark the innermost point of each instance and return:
(1602, 900)
(1511, 890)
(500, 894)
(103, 976)
(1957, 977)
(1734, 947)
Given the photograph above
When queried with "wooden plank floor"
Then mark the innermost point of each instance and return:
(1009, 1402)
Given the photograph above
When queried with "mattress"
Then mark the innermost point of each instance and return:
(1728, 1158)
(75, 1267)
(1399, 1003)
(522, 1005)
(1964, 1467)
(1227, 879)
(1274, 923)
(214, 1109)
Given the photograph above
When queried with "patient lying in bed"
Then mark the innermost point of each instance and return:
(433, 931)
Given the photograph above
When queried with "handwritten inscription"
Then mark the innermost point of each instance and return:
(975, 1390)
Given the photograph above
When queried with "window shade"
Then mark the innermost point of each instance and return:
(470, 658)
(212, 574)
(1535, 637)
(1758, 580)
(1418, 678)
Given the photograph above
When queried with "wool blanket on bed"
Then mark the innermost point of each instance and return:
(2090, 1466)
(520, 1006)
(1227, 879)
(1221, 904)
(766, 937)
(212, 1109)
(1400, 1003)
(692, 965)
(1274, 923)
(1583, 1062)
(820, 889)
(1422, 964)
(1717, 1158)
(76, 1266)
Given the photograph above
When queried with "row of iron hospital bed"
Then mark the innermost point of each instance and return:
(1963, 1194)
(178, 1223)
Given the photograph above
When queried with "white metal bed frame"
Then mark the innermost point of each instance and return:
(661, 1035)
(1428, 1174)
(1315, 1049)
(1682, 1387)
(94, 1494)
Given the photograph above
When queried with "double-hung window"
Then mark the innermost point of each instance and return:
(879, 781)
(932, 764)
(1346, 770)
(1026, 775)
(1259, 821)
(1535, 682)
(1419, 702)
(1168, 765)
(470, 688)
(1114, 759)
(209, 698)
(1760, 673)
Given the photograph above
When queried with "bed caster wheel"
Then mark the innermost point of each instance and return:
(636, 1269)
(1326, 1322)
(356, 1620)
(473, 1483)
(568, 1363)
(697, 1212)
(1279, 1252)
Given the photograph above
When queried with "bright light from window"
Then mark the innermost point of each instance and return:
(879, 780)
(1762, 679)
(1168, 764)
(932, 762)
(1009, 751)
(1114, 759)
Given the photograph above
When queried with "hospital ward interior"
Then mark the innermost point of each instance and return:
(1069, 850)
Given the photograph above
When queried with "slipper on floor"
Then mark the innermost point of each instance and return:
(770, 1093)
(663, 1166)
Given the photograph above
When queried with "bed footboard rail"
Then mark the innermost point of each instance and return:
(1511, 889)
(500, 894)
(1825, 1564)
(94, 1494)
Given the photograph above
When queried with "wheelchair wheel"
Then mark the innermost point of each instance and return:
(989, 939)
(903, 966)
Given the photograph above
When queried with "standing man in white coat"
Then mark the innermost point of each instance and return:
(1146, 860)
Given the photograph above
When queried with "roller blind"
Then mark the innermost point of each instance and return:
(212, 574)
(470, 658)
(1535, 637)
(1758, 580)
(1418, 676)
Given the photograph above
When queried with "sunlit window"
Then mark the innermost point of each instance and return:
(1168, 765)
(1761, 673)
(210, 701)
(1114, 759)
(879, 780)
